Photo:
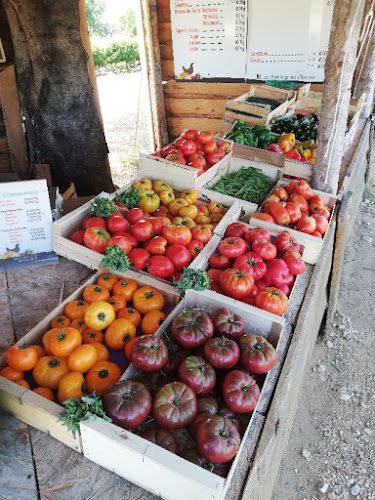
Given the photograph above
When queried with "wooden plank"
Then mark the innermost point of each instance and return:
(7, 337)
(166, 52)
(167, 69)
(204, 89)
(165, 32)
(164, 14)
(280, 418)
(43, 171)
(176, 125)
(213, 108)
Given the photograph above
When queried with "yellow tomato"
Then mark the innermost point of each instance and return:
(166, 197)
(70, 386)
(202, 219)
(99, 315)
(215, 208)
(190, 195)
(145, 192)
(215, 218)
(184, 221)
(175, 205)
(149, 203)
(142, 184)
(189, 211)
(159, 186)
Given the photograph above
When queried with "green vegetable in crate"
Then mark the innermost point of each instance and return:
(246, 184)
(193, 279)
(263, 101)
(115, 259)
(87, 407)
(129, 198)
(303, 127)
(258, 136)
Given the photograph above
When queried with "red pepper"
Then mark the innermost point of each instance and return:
(293, 154)
(274, 147)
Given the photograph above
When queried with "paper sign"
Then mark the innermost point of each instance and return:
(25, 220)
(209, 38)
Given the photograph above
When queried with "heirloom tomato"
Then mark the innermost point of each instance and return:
(71, 386)
(157, 245)
(219, 261)
(321, 223)
(306, 224)
(97, 222)
(294, 211)
(207, 404)
(286, 241)
(236, 230)
(240, 391)
(48, 371)
(90, 336)
(96, 238)
(181, 235)
(160, 266)
(264, 248)
(118, 223)
(101, 376)
(232, 247)
(179, 255)
(265, 217)
(94, 293)
(139, 257)
(194, 248)
(199, 375)
(236, 284)
(295, 264)
(63, 341)
(118, 302)
(204, 136)
(76, 309)
(174, 406)
(201, 233)
(194, 457)
(21, 358)
(77, 236)
(257, 232)
(253, 261)
(228, 324)
(300, 201)
(214, 275)
(152, 321)
(272, 299)
(126, 288)
(122, 241)
(192, 328)
(257, 354)
(161, 437)
(134, 215)
(107, 280)
(99, 315)
(147, 299)
(12, 374)
(82, 358)
(222, 353)
(131, 314)
(119, 332)
(44, 392)
(217, 439)
(277, 271)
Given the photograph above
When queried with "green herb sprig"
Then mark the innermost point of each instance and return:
(102, 207)
(87, 407)
(192, 279)
(129, 198)
(115, 259)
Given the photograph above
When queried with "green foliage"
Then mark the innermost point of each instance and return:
(129, 198)
(94, 12)
(115, 53)
(115, 259)
(102, 207)
(128, 23)
(87, 407)
(193, 279)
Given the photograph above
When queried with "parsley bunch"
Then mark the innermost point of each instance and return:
(102, 207)
(115, 259)
(129, 198)
(87, 407)
(193, 279)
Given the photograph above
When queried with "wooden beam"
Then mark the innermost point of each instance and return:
(366, 77)
(339, 68)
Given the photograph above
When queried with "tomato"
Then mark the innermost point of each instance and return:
(77, 237)
(48, 371)
(303, 188)
(281, 193)
(101, 376)
(159, 186)
(186, 221)
(252, 264)
(97, 222)
(160, 266)
(193, 456)
(60, 321)
(21, 358)
(82, 358)
(257, 354)
(236, 230)
(228, 324)
(188, 148)
(39, 351)
(94, 293)
(147, 299)
(214, 275)
(279, 214)
(167, 150)
(71, 386)
(316, 204)
(240, 391)
(306, 224)
(300, 201)
(175, 157)
(75, 309)
(106, 280)
(272, 299)
(204, 136)
(236, 284)
(264, 248)
(152, 321)
(181, 235)
(126, 288)
(210, 147)
(217, 439)
(289, 280)
(200, 417)
(232, 247)
(194, 247)
(295, 264)
(119, 332)
(117, 223)
(175, 206)
(166, 197)
(131, 314)
(161, 437)
(268, 201)
(134, 215)
(213, 158)
(197, 161)
(142, 183)
(78, 324)
(122, 241)
(277, 271)
(219, 261)
(321, 223)
(96, 238)
(139, 257)
(264, 217)
(191, 135)
(158, 223)
(118, 302)
(199, 375)
(142, 230)
(221, 352)
(23, 383)
(44, 392)
(286, 241)
(149, 203)
(63, 341)
(127, 403)
(149, 353)
(90, 336)
(174, 406)
(192, 328)
(99, 315)
(257, 232)
(12, 374)
(179, 256)
(224, 146)
(132, 239)
(201, 233)
(190, 211)
(293, 210)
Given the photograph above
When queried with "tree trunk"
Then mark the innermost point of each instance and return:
(366, 76)
(63, 126)
(339, 68)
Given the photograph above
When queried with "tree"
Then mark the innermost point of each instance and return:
(94, 12)
(128, 23)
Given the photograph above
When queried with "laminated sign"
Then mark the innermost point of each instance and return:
(26, 234)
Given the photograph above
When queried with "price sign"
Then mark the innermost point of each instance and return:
(26, 234)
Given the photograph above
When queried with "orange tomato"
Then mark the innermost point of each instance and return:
(147, 299)
(216, 208)
(71, 386)
(190, 195)
(83, 358)
(60, 321)
(189, 211)
(39, 350)
(125, 288)
(11, 374)
(101, 351)
(63, 341)
(203, 209)
(119, 333)
(99, 315)
(215, 218)
(129, 347)
(48, 371)
(118, 302)
(75, 309)
(46, 340)
(45, 393)
(101, 376)
(131, 314)
(90, 336)
(175, 205)
(21, 357)
(23, 383)
(94, 293)
(202, 219)
(78, 324)
(107, 281)
(151, 322)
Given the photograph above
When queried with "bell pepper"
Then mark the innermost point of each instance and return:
(299, 148)
(311, 160)
(293, 154)
(290, 138)
(313, 153)
(306, 153)
(285, 146)
(307, 144)
(274, 147)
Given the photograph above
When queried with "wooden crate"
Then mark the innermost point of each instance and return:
(312, 244)
(156, 469)
(39, 412)
(272, 172)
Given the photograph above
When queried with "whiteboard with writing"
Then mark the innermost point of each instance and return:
(209, 38)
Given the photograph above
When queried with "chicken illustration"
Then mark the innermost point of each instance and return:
(189, 70)
(15, 249)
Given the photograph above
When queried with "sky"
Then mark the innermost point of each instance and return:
(117, 8)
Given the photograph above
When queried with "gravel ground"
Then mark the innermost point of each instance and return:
(331, 451)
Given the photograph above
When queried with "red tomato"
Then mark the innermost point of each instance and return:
(77, 236)
(142, 230)
(96, 238)
(228, 324)
(316, 204)
(232, 247)
(149, 353)
(220, 153)
(306, 224)
(221, 353)
(236, 284)
(85, 221)
(178, 142)
(214, 275)
(279, 214)
(161, 437)
(158, 223)
(167, 150)
(181, 235)
(122, 242)
(198, 160)
(236, 229)
(317, 234)
(160, 266)
(134, 215)
(286, 241)
(264, 249)
(289, 280)
(191, 135)
(204, 136)
(133, 240)
(292, 187)
(240, 391)
(210, 147)
(215, 287)
(118, 223)
(257, 232)
(157, 245)
(293, 210)
(272, 299)
(176, 158)
(217, 439)
(201, 233)
(212, 159)
(326, 213)
(321, 223)
(224, 146)
(188, 148)
(300, 201)
(281, 193)
(194, 248)
(139, 257)
(219, 261)
(174, 406)
(179, 256)
(253, 261)
(265, 217)
(284, 288)
(191, 328)
(154, 154)
(295, 264)
(277, 271)
(304, 189)
(257, 354)
(196, 373)
(96, 222)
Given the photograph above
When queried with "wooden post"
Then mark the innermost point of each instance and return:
(366, 76)
(339, 68)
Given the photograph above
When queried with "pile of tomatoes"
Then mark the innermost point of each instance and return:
(75, 351)
(160, 238)
(248, 267)
(197, 149)
(296, 206)
(200, 379)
